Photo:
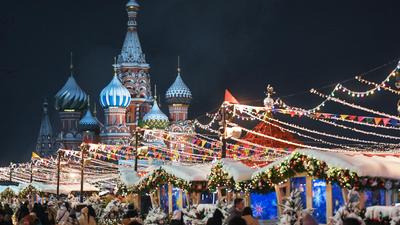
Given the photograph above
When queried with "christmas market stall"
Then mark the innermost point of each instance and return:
(172, 186)
(325, 177)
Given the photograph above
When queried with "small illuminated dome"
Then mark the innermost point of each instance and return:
(88, 122)
(155, 118)
(178, 93)
(115, 95)
(71, 97)
(132, 3)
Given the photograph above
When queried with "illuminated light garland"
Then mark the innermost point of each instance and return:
(343, 102)
(301, 111)
(233, 145)
(312, 116)
(303, 135)
(318, 132)
(281, 140)
(376, 85)
(253, 144)
(208, 125)
(354, 129)
(195, 147)
(167, 150)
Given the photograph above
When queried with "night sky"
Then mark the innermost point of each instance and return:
(240, 45)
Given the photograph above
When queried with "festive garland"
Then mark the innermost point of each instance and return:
(219, 178)
(157, 178)
(29, 190)
(8, 193)
(300, 163)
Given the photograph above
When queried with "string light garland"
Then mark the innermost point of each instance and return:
(318, 132)
(281, 140)
(343, 102)
(314, 117)
(383, 86)
(301, 112)
(354, 129)
(305, 136)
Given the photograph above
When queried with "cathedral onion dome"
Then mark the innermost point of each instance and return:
(132, 3)
(71, 97)
(88, 122)
(115, 95)
(178, 93)
(155, 118)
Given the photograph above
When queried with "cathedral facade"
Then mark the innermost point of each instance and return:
(127, 102)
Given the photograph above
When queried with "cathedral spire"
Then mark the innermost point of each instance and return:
(45, 141)
(131, 52)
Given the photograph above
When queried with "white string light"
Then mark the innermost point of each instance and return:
(321, 133)
(343, 102)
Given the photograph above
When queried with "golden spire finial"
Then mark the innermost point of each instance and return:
(179, 65)
(88, 102)
(71, 65)
(115, 66)
(155, 92)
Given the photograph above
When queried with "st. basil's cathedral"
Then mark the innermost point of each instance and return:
(127, 102)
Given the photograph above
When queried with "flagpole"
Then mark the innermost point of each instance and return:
(58, 172)
(31, 180)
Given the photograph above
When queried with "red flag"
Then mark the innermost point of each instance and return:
(229, 98)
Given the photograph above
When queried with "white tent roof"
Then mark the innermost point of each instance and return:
(364, 164)
(237, 170)
(189, 172)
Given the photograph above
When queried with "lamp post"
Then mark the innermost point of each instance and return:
(59, 155)
(223, 130)
(11, 171)
(137, 135)
(31, 179)
(84, 148)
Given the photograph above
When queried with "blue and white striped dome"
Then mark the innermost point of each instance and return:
(115, 95)
(178, 93)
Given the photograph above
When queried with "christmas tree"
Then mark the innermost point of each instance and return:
(156, 216)
(292, 209)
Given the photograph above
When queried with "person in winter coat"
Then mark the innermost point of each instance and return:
(72, 219)
(86, 218)
(216, 219)
(177, 218)
(130, 215)
(23, 211)
(236, 210)
(63, 213)
(8, 213)
(248, 216)
(308, 219)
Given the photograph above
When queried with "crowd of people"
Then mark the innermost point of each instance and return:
(45, 214)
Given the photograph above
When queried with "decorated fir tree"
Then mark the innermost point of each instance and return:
(349, 210)
(292, 209)
(156, 216)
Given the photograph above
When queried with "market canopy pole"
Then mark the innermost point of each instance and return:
(228, 99)
(84, 148)
(31, 178)
(11, 170)
(58, 172)
(138, 135)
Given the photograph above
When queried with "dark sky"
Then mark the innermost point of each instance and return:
(236, 44)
